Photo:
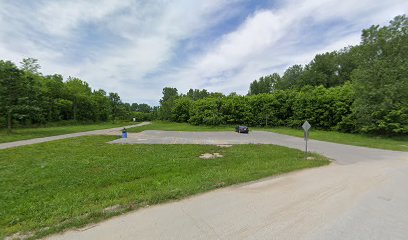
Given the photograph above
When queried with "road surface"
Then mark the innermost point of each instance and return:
(110, 131)
(362, 195)
(343, 154)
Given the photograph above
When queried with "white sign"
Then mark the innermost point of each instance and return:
(306, 126)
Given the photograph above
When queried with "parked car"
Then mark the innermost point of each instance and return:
(242, 129)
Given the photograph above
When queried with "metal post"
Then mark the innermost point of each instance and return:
(306, 146)
(306, 126)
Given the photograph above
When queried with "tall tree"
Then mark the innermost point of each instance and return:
(103, 105)
(115, 105)
(291, 79)
(30, 65)
(52, 91)
(144, 108)
(197, 94)
(12, 91)
(264, 84)
(167, 102)
(79, 93)
(381, 80)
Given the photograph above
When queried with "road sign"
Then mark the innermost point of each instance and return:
(306, 126)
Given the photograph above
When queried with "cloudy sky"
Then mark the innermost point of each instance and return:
(137, 47)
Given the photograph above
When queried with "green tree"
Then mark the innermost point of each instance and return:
(30, 65)
(197, 94)
(291, 79)
(167, 103)
(103, 105)
(381, 80)
(12, 91)
(144, 108)
(52, 93)
(79, 93)
(264, 84)
(181, 109)
(115, 102)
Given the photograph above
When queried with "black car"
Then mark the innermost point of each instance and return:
(242, 129)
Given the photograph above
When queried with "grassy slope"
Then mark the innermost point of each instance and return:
(395, 143)
(30, 133)
(48, 187)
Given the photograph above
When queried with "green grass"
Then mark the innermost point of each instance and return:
(48, 187)
(172, 126)
(389, 143)
(30, 133)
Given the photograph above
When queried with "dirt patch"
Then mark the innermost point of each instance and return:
(20, 235)
(210, 155)
(224, 145)
(310, 158)
(219, 184)
(115, 208)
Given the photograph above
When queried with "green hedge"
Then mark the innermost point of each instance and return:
(324, 108)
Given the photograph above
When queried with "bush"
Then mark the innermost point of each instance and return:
(324, 108)
(181, 109)
(207, 111)
(140, 117)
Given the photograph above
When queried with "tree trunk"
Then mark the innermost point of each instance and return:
(9, 121)
(75, 111)
(50, 108)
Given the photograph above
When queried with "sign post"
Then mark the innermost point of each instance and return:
(306, 126)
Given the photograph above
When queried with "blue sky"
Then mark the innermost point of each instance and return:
(136, 47)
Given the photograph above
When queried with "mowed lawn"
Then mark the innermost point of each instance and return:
(48, 187)
(372, 141)
(30, 133)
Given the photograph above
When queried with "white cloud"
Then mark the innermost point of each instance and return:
(271, 40)
(60, 18)
(139, 50)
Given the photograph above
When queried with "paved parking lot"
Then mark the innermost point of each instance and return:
(342, 154)
(363, 198)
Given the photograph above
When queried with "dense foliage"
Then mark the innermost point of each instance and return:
(27, 97)
(362, 88)
(323, 107)
(381, 79)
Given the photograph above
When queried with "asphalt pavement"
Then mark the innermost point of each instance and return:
(110, 131)
(362, 195)
(341, 153)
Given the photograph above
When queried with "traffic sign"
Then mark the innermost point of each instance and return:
(306, 126)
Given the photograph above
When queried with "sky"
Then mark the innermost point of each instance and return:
(136, 48)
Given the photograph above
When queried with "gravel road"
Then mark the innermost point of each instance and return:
(363, 195)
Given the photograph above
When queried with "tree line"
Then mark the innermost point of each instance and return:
(29, 98)
(362, 88)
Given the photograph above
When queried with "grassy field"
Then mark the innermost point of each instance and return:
(30, 133)
(390, 143)
(395, 143)
(48, 187)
